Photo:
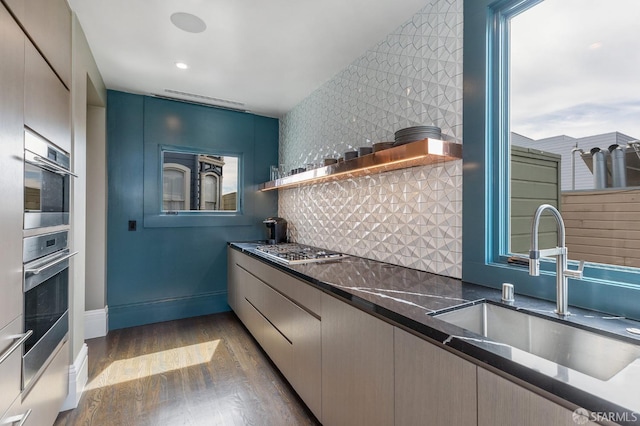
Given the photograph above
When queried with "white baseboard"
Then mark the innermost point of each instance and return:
(96, 323)
(78, 377)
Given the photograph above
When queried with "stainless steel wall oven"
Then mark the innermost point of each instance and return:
(46, 299)
(46, 183)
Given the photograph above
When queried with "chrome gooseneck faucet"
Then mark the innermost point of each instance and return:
(560, 253)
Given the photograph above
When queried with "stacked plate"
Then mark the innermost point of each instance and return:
(416, 133)
(381, 146)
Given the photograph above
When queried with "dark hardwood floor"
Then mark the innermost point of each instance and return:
(197, 371)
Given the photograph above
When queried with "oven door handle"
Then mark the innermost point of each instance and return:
(36, 271)
(48, 163)
(20, 339)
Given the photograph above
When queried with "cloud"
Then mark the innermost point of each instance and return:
(582, 120)
(574, 67)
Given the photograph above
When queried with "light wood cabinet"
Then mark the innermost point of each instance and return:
(11, 165)
(46, 101)
(298, 291)
(280, 311)
(270, 339)
(432, 385)
(14, 415)
(10, 378)
(357, 366)
(287, 331)
(352, 368)
(42, 403)
(261, 326)
(32, 94)
(502, 402)
(48, 24)
(232, 279)
(306, 374)
(12, 45)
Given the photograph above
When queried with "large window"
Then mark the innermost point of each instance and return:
(574, 101)
(544, 83)
(199, 182)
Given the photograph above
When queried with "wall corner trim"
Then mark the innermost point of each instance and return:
(96, 323)
(78, 377)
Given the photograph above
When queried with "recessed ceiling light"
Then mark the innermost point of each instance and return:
(188, 22)
(182, 65)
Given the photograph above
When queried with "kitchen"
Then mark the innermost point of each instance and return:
(137, 264)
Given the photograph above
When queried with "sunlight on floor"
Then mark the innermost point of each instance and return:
(155, 363)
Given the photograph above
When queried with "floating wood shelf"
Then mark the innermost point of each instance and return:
(418, 153)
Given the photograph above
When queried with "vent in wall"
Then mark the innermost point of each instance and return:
(204, 100)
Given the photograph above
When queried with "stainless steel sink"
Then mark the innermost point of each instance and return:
(587, 352)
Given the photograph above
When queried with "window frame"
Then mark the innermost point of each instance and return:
(156, 216)
(606, 288)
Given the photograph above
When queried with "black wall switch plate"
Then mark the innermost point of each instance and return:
(132, 225)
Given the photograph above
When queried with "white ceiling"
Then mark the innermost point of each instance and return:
(266, 54)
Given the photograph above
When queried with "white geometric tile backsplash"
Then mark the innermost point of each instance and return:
(410, 217)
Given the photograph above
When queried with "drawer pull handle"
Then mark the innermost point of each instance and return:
(22, 418)
(20, 339)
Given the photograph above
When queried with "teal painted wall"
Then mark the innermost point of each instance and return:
(175, 267)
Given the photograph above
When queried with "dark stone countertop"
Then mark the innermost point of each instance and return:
(410, 298)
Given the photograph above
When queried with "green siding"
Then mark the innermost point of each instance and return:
(535, 180)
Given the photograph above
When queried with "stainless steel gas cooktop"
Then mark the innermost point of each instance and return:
(293, 253)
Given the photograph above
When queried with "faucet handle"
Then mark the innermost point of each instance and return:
(534, 263)
(577, 274)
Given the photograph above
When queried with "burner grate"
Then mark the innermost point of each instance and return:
(293, 253)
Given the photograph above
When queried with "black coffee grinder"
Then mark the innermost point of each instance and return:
(277, 227)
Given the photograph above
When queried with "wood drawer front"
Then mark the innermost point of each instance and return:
(48, 24)
(45, 398)
(232, 279)
(270, 339)
(275, 307)
(431, 383)
(297, 290)
(46, 101)
(10, 369)
(357, 366)
(290, 335)
(14, 414)
(502, 402)
(306, 375)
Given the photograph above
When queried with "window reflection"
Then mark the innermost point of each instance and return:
(175, 190)
(199, 182)
(210, 200)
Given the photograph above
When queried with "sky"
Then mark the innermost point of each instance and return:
(230, 175)
(575, 68)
